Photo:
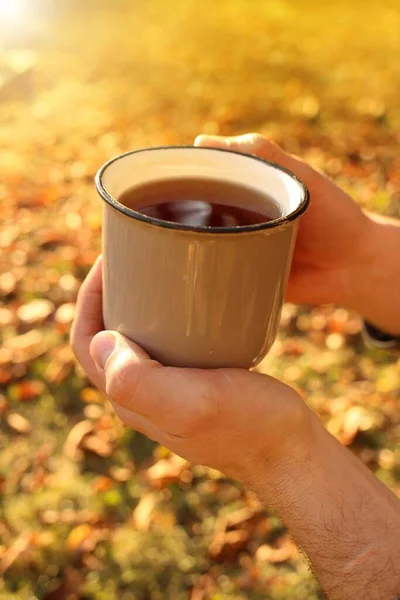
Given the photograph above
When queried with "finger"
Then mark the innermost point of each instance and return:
(319, 283)
(170, 398)
(138, 423)
(88, 319)
(254, 143)
(173, 442)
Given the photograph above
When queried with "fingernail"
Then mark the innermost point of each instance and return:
(102, 346)
(205, 139)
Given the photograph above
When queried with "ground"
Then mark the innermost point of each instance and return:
(89, 509)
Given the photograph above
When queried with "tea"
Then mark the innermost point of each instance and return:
(201, 202)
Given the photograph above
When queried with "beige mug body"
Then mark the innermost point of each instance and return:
(197, 296)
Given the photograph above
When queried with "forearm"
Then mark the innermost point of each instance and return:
(374, 287)
(343, 518)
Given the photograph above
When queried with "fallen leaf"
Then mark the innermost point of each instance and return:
(68, 283)
(166, 471)
(9, 235)
(6, 316)
(358, 418)
(243, 518)
(65, 313)
(335, 341)
(226, 546)
(67, 590)
(96, 444)
(4, 405)
(6, 375)
(12, 554)
(57, 372)
(203, 589)
(286, 550)
(8, 283)
(51, 239)
(26, 346)
(90, 394)
(293, 347)
(35, 312)
(164, 520)
(78, 536)
(102, 484)
(18, 423)
(6, 356)
(386, 459)
(93, 411)
(142, 514)
(28, 390)
(121, 474)
(76, 437)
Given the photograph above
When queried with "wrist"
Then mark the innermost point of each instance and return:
(275, 471)
(373, 288)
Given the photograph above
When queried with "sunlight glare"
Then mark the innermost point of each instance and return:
(10, 8)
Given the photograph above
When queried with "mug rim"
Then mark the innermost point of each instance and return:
(129, 212)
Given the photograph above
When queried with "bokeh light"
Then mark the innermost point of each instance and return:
(11, 9)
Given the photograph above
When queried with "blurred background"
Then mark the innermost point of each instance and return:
(89, 509)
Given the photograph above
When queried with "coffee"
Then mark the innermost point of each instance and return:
(201, 202)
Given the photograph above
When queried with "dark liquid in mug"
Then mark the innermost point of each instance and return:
(201, 202)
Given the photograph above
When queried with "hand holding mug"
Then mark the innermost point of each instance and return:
(228, 419)
(333, 242)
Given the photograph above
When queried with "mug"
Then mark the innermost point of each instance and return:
(206, 297)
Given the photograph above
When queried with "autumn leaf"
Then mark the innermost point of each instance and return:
(166, 471)
(79, 536)
(18, 423)
(142, 514)
(75, 438)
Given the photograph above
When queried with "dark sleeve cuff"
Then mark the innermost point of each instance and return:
(376, 338)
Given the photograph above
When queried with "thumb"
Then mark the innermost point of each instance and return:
(125, 369)
(164, 396)
(258, 145)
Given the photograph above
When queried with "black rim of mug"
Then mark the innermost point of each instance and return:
(301, 208)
